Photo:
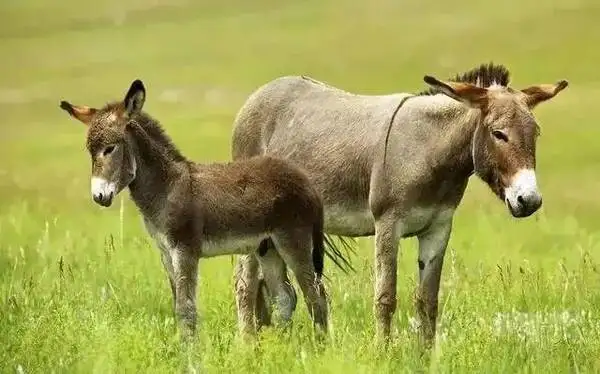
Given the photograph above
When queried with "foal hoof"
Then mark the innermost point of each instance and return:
(426, 342)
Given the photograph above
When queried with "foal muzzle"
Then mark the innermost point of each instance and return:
(103, 191)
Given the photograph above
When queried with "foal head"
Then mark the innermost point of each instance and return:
(113, 160)
(504, 142)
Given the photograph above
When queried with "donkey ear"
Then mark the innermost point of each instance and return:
(464, 92)
(82, 113)
(135, 98)
(536, 94)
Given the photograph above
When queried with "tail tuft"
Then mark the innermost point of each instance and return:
(324, 245)
(335, 254)
(318, 253)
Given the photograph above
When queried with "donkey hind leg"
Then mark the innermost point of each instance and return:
(263, 308)
(185, 268)
(386, 262)
(432, 247)
(246, 291)
(279, 287)
(295, 249)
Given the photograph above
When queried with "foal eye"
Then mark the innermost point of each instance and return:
(108, 150)
(500, 135)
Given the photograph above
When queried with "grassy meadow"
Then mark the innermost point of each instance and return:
(82, 288)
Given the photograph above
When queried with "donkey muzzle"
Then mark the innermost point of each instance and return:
(525, 207)
(103, 191)
(522, 196)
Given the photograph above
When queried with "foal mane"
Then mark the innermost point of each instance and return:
(484, 75)
(158, 135)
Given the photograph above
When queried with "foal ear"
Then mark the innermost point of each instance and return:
(536, 94)
(135, 98)
(82, 113)
(464, 92)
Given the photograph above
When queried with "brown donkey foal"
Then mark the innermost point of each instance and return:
(194, 211)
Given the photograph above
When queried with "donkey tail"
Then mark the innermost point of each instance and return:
(334, 252)
(318, 253)
(323, 245)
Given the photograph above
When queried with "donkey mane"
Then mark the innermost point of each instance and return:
(155, 131)
(484, 75)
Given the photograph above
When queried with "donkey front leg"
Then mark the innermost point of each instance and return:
(185, 268)
(167, 262)
(386, 257)
(165, 256)
(432, 247)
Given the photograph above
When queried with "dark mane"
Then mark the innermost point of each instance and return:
(155, 131)
(483, 76)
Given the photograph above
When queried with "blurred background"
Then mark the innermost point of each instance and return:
(199, 61)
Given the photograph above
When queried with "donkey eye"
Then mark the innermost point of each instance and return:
(500, 135)
(108, 150)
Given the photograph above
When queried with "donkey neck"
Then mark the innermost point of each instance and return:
(159, 165)
(452, 126)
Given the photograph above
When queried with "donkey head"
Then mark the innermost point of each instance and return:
(504, 142)
(113, 159)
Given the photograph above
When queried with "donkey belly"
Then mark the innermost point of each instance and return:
(343, 221)
(420, 219)
(231, 245)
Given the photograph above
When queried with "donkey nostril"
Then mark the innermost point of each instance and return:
(520, 200)
(100, 196)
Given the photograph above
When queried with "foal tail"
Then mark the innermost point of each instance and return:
(318, 253)
(323, 245)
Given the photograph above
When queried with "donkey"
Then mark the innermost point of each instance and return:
(195, 211)
(397, 166)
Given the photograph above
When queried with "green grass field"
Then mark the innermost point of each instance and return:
(82, 288)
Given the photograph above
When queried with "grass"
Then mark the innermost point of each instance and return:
(82, 288)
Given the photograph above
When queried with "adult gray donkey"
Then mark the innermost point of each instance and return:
(395, 166)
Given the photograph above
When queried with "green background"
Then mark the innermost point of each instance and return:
(82, 288)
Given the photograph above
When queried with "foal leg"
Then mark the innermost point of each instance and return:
(185, 268)
(386, 262)
(165, 256)
(296, 249)
(432, 247)
(246, 290)
(168, 265)
(275, 276)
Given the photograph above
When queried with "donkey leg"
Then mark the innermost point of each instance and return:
(275, 276)
(432, 247)
(168, 265)
(386, 262)
(296, 250)
(246, 291)
(165, 256)
(185, 268)
(263, 309)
